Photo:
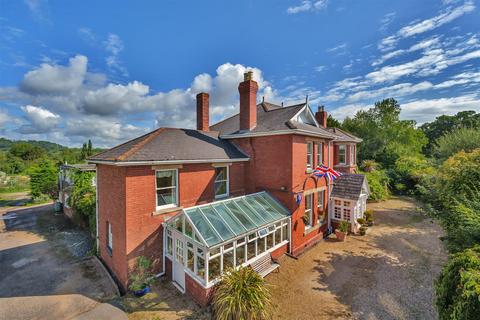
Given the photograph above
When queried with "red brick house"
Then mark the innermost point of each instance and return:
(200, 201)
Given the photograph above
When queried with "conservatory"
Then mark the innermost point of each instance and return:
(206, 240)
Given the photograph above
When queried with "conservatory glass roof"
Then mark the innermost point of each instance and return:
(221, 221)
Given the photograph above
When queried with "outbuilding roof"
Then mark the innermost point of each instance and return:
(350, 186)
(171, 145)
(343, 136)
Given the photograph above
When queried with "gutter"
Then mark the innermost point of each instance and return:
(160, 162)
(274, 133)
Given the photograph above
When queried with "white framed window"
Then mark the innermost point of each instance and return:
(309, 155)
(109, 237)
(337, 213)
(221, 183)
(166, 184)
(342, 154)
(352, 154)
(308, 210)
(347, 214)
(320, 206)
(319, 153)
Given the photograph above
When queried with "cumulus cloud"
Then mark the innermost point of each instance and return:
(39, 119)
(51, 79)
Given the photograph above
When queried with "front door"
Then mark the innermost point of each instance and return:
(179, 264)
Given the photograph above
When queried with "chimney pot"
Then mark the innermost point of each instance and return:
(247, 76)
(321, 116)
(203, 112)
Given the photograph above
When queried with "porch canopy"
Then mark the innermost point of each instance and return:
(227, 233)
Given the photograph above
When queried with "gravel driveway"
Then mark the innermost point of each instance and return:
(387, 274)
(46, 272)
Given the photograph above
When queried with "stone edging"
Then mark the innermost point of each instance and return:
(114, 284)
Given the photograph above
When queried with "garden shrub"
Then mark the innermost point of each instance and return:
(410, 171)
(458, 287)
(83, 199)
(378, 182)
(43, 179)
(463, 139)
(242, 294)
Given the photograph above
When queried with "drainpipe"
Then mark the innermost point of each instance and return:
(96, 211)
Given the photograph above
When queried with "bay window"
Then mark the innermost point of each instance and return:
(166, 186)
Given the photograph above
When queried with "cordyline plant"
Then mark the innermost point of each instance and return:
(242, 294)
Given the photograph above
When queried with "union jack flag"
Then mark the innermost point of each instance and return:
(324, 171)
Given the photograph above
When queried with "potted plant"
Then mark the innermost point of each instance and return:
(361, 221)
(369, 217)
(141, 277)
(341, 232)
(363, 230)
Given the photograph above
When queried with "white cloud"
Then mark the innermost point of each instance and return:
(305, 6)
(387, 20)
(39, 10)
(87, 35)
(319, 68)
(40, 120)
(114, 46)
(416, 28)
(50, 79)
(338, 50)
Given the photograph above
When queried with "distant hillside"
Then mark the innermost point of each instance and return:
(5, 144)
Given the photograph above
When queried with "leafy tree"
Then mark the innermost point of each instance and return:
(241, 295)
(43, 179)
(26, 151)
(458, 287)
(332, 122)
(444, 124)
(83, 198)
(11, 164)
(463, 139)
(378, 183)
(410, 171)
(385, 136)
(89, 148)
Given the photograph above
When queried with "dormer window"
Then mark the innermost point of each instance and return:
(309, 155)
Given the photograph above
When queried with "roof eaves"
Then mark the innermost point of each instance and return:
(140, 144)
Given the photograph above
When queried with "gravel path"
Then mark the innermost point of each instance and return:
(387, 274)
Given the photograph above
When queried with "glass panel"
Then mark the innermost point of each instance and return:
(220, 188)
(285, 232)
(227, 260)
(220, 173)
(240, 215)
(260, 245)
(179, 224)
(169, 245)
(166, 196)
(283, 211)
(217, 223)
(227, 246)
(232, 223)
(240, 254)
(214, 251)
(270, 241)
(166, 179)
(255, 216)
(179, 251)
(266, 206)
(190, 260)
(214, 268)
(251, 249)
(203, 227)
(278, 237)
(200, 267)
(188, 230)
(259, 209)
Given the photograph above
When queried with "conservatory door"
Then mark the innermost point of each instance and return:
(179, 264)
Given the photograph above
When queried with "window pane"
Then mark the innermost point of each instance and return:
(190, 260)
(200, 267)
(251, 250)
(217, 223)
(284, 232)
(254, 215)
(220, 173)
(266, 207)
(240, 254)
(232, 223)
(227, 260)
(270, 241)
(214, 268)
(220, 188)
(203, 227)
(240, 215)
(169, 245)
(188, 229)
(166, 179)
(278, 236)
(179, 224)
(166, 196)
(261, 245)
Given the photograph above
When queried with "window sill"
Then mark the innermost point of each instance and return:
(166, 210)
(311, 229)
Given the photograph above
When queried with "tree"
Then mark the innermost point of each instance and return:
(241, 295)
(458, 287)
(385, 136)
(444, 124)
(89, 148)
(26, 151)
(83, 198)
(332, 122)
(463, 139)
(43, 179)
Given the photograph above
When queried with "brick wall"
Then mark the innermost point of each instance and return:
(199, 294)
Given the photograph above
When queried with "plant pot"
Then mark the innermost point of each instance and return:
(370, 223)
(340, 235)
(142, 292)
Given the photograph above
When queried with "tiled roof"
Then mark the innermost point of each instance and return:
(80, 166)
(171, 144)
(349, 186)
(344, 136)
(270, 117)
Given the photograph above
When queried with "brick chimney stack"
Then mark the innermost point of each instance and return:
(248, 102)
(202, 112)
(321, 116)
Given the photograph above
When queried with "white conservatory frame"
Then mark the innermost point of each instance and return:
(271, 235)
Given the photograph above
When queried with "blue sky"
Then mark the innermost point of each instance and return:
(112, 70)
